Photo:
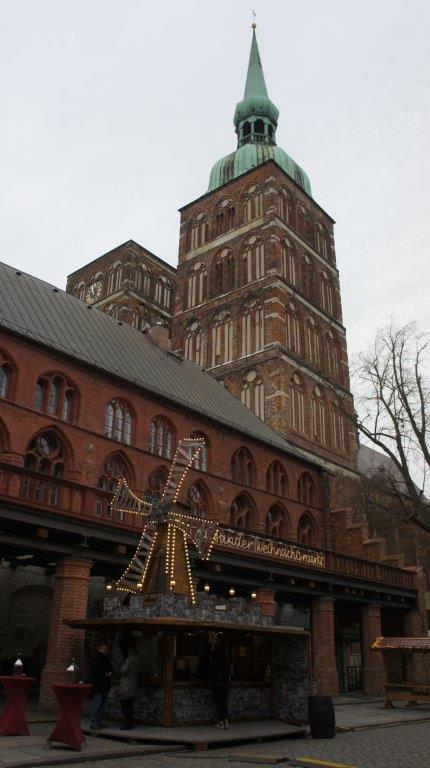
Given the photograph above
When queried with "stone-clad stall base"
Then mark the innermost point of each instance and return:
(284, 696)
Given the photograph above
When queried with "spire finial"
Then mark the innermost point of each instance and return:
(254, 16)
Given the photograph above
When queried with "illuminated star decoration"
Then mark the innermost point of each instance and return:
(156, 512)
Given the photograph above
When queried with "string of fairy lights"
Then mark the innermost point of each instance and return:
(126, 501)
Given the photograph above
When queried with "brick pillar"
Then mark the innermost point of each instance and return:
(413, 627)
(72, 580)
(267, 602)
(372, 661)
(325, 680)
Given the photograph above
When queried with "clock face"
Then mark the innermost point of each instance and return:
(93, 292)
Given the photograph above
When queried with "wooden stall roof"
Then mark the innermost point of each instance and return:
(401, 644)
(171, 622)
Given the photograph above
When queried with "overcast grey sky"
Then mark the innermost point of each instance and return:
(113, 112)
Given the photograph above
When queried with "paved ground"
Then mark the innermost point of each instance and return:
(400, 746)
(364, 712)
(27, 751)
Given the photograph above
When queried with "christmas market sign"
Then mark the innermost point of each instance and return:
(259, 545)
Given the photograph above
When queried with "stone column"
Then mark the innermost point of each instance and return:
(371, 661)
(413, 627)
(325, 680)
(72, 580)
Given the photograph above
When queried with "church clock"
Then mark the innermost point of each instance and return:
(93, 292)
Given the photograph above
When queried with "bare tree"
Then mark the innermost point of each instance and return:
(392, 401)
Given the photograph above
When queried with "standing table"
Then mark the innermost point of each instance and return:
(12, 719)
(70, 697)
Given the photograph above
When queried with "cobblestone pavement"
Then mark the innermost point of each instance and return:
(400, 746)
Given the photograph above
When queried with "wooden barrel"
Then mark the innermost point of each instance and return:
(321, 717)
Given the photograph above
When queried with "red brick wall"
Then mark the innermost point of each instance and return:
(276, 363)
(87, 449)
(128, 298)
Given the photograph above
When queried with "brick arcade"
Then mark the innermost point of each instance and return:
(92, 388)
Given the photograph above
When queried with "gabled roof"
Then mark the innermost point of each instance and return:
(124, 245)
(43, 314)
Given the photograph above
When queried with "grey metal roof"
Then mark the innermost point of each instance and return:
(46, 315)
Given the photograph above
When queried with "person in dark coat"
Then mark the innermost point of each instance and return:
(219, 681)
(101, 674)
(128, 688)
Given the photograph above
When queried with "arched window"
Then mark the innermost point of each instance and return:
(69, 401)
(222, 339)
(242, 513)
(308, 278)
(79, 290)
(163, 291)
(252, 322)
(332, 356)
(245, 393)
(289, 263)
(198, 230)
(297, 400)
(313, 343)
(223, 273)
(286, 207)
(338, 429)
(253, 204)
(57, 396)
(118, 422)
(112, 310)
(322, 241)
(112, 470)
(304, 225)
(198, 500)
(242, 467)
(292, 328)
(202, 460)
(196, 285)
(277, 479)
(114, 277)
(318, 426)
(143, 279)
(161, 437)
(54, 395)
(224, 218)
(156, 482)
(44, 456)
(306, 531)
(277, 522)
(194, 344)
(253, 260)
(4, 379)
(326, 293)
(259, 398)
(252, 393)
(306, 489)
(39, 395)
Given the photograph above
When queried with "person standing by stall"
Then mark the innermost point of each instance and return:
(101, 674)
(219, 681)
(128, 688)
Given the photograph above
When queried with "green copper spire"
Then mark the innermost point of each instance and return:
(256, 121)
(255, 82)
(256, 117)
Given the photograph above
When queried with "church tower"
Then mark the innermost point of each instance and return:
(258, 301)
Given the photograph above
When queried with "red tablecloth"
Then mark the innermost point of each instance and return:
(12, 719)
(70, 697)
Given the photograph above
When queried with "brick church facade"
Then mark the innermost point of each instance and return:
(256, 363)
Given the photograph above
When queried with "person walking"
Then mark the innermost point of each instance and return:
(219, 681)
(128, 688)
(101, 674)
